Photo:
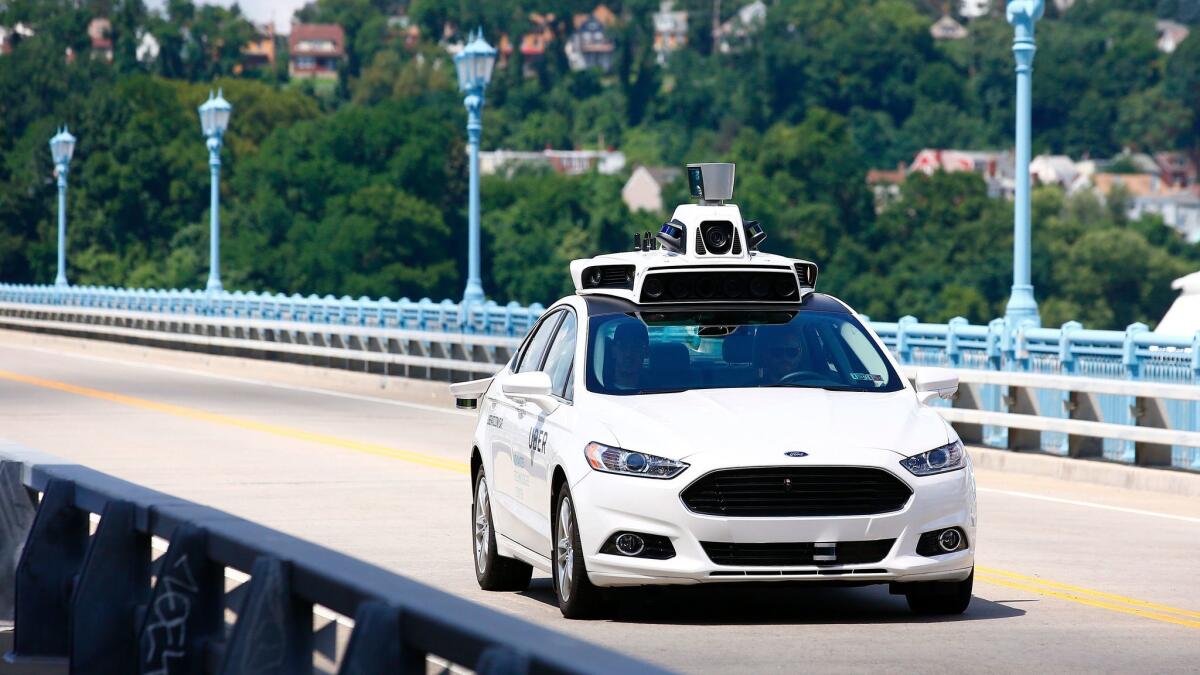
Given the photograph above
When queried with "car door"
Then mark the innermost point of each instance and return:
(544, 433)
(509, 442)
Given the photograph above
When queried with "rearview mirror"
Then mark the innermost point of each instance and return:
(935, 383)
(534, 386)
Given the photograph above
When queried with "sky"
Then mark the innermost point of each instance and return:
(258, 11)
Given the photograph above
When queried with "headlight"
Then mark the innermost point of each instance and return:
(939, 460)
(627, 462)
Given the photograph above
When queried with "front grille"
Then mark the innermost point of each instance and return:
(796, 553)
(796, 491)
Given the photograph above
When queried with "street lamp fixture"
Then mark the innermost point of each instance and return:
(1022, 307)
(214, 120)
(474, 66)
(62, 147)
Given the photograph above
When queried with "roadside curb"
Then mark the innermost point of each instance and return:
(1163, 481)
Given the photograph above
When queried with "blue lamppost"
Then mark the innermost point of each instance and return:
(1022, 307)
(62, 146)
(214, 119)
(474, 65)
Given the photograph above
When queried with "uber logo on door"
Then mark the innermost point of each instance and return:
(537, 440)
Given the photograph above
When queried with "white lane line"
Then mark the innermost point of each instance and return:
(245, 380)
(1094, 505)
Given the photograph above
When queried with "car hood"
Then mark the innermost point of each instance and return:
(765, 422)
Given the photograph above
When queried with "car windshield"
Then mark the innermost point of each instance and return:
(658, 352)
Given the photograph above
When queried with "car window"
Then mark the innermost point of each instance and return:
(658, 352)
(531, 358)
(561, 354)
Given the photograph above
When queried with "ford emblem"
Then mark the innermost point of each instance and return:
(796, 453)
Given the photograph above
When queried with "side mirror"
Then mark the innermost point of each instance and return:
(533, 386)
(935, 383)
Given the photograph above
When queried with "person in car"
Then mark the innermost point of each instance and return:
(783, 354)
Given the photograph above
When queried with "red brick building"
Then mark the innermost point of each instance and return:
(316, 50)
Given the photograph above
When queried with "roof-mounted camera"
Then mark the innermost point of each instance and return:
(706, 253)
(711, 183)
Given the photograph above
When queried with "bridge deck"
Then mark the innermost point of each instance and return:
(1072, 577)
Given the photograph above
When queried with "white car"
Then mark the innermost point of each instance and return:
(697, 413)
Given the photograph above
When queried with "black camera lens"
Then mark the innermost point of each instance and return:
(718, 236)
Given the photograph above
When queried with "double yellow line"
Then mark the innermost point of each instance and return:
(1054, 589)
(1085, 596)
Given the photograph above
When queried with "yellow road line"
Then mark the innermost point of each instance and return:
(241, 423)
(1086, 591)
(1083, 600)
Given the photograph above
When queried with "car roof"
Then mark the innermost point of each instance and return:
(607, 304)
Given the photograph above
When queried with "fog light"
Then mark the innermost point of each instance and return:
(941, 542)
(630, 544)
(949, 540)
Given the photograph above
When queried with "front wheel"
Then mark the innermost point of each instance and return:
(492, 571)
(940, 597)
(577, 597)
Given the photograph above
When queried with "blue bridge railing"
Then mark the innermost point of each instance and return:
(486, 318)
(1133, 354)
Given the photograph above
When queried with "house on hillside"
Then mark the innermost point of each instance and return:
(1148, 191)
(100, 32)
(590, 45)
(738, 32)
(568, 162)
(1053, 170)
(946, 28)
(670, 30)
(973, 9)
(1170, 34)
(644, 189)
(998, 169)
(536, 43)
(885, 185)
(1176, 168)
(259, 52)
(316, 50)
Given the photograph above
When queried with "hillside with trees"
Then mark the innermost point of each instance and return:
(359, 188)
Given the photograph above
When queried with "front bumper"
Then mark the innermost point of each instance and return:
(606, 504)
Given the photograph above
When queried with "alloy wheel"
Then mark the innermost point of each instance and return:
(564, 552)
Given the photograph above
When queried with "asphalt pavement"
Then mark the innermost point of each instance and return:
(1070, 577)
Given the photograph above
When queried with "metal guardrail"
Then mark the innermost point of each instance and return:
(1125, 358)
(486, 318)
(403, 352)
(1075, 419)
(102, 603)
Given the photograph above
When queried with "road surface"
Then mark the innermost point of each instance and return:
(1071, 577)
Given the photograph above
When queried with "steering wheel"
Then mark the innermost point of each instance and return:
(802, 375)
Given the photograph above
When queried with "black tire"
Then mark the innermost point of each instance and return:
(940, 597)
(492, 571)
(577, 597)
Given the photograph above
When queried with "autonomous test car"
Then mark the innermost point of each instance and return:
(697, 413)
